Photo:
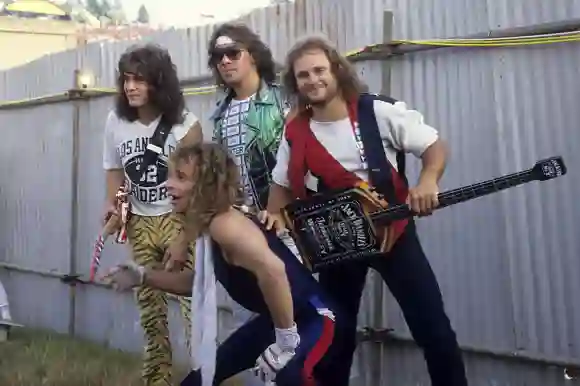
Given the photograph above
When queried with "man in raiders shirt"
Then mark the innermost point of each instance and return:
(149, 93)
(324, 140)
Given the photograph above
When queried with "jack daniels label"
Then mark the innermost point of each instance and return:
(331, 229)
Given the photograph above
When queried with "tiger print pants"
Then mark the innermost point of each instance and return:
(149, 238)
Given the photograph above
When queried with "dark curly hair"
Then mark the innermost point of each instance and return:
(243, 35)
(153, 63)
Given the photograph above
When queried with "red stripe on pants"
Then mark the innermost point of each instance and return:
(318, 350)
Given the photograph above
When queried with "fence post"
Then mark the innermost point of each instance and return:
(74, 221)
(376, 365)
(386, 64)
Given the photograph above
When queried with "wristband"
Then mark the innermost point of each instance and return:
(287, 338)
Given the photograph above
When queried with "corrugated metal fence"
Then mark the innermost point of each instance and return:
(507, 264)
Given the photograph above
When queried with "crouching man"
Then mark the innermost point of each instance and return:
(295, 326)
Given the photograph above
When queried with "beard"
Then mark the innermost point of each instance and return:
(319, 103)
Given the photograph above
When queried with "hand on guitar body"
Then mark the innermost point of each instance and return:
(273, 221)
(117, 206)
(111, 224)
(422, 198)
(111, 209)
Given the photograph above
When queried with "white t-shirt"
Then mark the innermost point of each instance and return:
(401, 129)
(124, 145)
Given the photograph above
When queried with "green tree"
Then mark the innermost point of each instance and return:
(116, 13)
(143, 15)
(99, 8)
(105, 8)
(94, 7)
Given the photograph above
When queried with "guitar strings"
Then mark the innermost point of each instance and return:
(519, 177)
(404, 210)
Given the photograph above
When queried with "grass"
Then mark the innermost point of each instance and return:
(36, 358)
(39, 358)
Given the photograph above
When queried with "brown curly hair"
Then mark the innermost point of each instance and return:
(350, 85)
(216, 183)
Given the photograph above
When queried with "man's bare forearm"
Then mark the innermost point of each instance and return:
(185, 235)
(278, 198)
(275, 288)
(115, 178)
(434, 161)
(178, 283)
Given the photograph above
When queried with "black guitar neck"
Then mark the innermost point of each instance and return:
(543, 170)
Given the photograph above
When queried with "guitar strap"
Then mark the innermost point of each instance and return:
(155, 144)
(150, 156)
(381, 172)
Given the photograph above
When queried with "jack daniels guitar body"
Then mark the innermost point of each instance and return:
(353, 224)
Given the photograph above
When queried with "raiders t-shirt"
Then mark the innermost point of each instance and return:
(124, 145)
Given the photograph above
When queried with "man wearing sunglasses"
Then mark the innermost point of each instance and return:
(248, 120)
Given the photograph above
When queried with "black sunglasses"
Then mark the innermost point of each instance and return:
(232, 53)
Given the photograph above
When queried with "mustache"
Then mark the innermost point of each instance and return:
(315, 86)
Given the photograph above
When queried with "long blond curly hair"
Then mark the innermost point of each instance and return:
(216, 184)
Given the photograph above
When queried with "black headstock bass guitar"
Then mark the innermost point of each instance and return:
(348, 224)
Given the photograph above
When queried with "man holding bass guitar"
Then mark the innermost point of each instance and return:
(147, 124)
(341, 138)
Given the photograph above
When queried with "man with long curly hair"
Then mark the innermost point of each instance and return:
(149, 95)
(249, 119)
(295, 320)
(342, 138)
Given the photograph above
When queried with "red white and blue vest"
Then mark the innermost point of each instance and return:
(307, 154)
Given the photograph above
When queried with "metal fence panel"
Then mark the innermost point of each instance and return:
(37, 301)
(500, 117)
(35, 200)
